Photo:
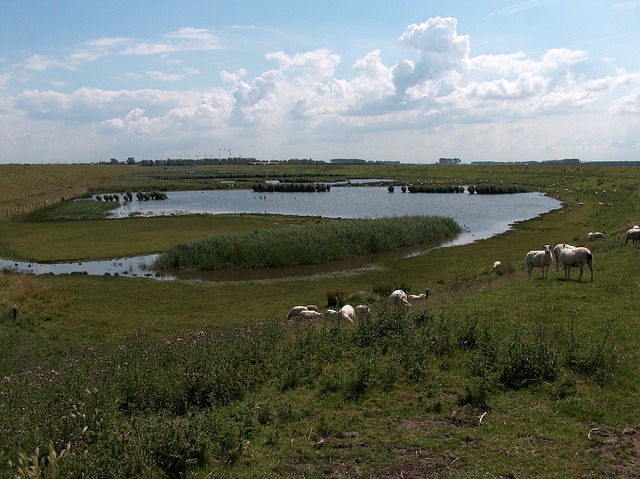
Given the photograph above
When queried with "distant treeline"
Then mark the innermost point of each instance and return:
(291, 187)
(563, 162)
(472, 189)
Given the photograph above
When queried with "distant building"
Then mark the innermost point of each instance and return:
(449, 161)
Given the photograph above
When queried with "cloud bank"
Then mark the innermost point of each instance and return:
(439, 100)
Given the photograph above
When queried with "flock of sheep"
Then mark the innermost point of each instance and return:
(567, 256)
(349, 313)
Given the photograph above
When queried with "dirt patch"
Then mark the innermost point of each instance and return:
(418, 464)
(619, 449)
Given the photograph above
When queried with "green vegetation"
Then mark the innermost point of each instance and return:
(202, 399)
(495, 376)
(291, 187)
(327, 240)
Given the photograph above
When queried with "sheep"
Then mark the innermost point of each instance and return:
(556, 252)
(309, 314)
(632, 234)
(539, 259)
(416, 298)
(362, 311)
(596, 236)
(399, 298)
(570, 257)
(295, 311)
(497, 266)
(348, 313)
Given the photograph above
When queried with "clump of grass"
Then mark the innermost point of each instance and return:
(75, 210)
(528, 361)
(307, 244)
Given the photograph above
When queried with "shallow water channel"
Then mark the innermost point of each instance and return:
(481, 216)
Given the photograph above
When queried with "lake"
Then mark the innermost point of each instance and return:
(481, 216)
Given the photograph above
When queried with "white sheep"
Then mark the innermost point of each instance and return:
(596, 236)
(363, 311)
(399, 298)
(632, 234)
(570, 257)
(417, 298)
(556, 252)
(295, 311)
(539, 259)
(497, 266)
(347, 313)
(309, 314)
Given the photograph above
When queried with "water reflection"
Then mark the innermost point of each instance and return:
(134, 266)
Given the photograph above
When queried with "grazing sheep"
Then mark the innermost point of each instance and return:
(309, 314)
(416, 298)
(362, 311)
(497, 266)
(399, 298)
(332, 314)
(570, 257)
(295, 311)
(539, 259)
(632, 234)
(347, 313)
(556, 252)
(596, 236)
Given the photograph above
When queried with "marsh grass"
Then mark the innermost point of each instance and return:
(176, 404)
(417, 392)
(313, 243)
(74, 210)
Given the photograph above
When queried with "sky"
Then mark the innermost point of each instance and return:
(405, 80)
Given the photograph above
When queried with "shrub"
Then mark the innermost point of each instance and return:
(527, 362)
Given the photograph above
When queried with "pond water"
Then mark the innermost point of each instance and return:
(481, 216)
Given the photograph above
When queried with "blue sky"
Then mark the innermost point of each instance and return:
(408, 81)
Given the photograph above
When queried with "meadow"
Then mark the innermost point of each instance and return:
(495, 376)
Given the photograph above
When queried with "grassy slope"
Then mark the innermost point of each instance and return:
(529, 432)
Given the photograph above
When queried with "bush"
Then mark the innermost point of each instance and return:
(527, 362)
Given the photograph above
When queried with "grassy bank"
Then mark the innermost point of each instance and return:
(496, 376)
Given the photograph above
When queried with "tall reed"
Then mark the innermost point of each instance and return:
(327, 240)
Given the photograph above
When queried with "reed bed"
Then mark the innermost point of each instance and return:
(327, 240)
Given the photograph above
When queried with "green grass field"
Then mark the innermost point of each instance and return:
(496, 376)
